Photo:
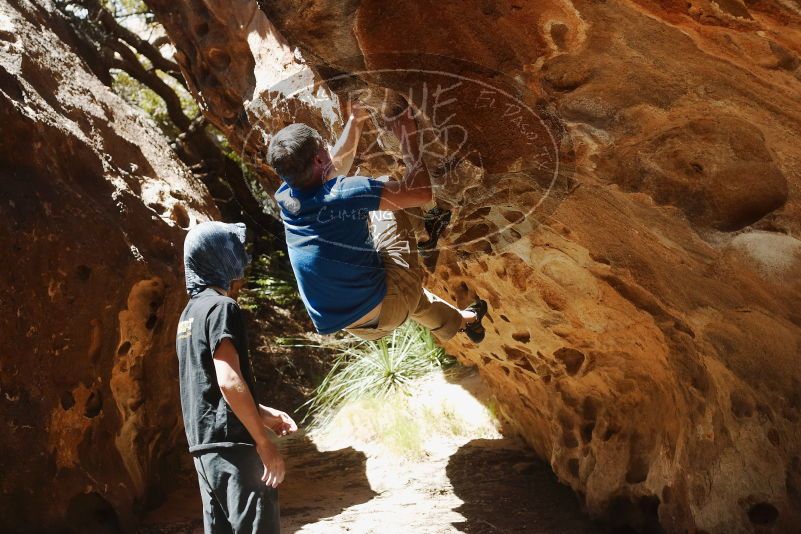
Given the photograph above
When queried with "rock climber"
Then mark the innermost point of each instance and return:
(239, 468)
(350, 239)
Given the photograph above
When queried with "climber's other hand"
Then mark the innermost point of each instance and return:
(358, 111)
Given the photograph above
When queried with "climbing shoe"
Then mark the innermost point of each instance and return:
(475, 330)
(435, 221)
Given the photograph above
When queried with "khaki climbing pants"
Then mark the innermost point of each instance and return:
(394, 239)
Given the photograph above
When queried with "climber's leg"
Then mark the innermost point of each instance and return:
(393, 238)
(440, 317)
(233, 476)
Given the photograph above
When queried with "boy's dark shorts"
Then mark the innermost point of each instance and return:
(235, 500)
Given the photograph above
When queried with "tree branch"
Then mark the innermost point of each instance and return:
(111, 25)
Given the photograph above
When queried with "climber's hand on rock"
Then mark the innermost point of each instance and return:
(358, 111)
(273, 463)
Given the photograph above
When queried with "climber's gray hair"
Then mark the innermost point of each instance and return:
(214, 255)
(291, 153)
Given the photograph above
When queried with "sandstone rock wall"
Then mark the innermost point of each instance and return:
(625, 182)
(94, 207)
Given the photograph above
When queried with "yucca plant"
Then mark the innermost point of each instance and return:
(364, 369)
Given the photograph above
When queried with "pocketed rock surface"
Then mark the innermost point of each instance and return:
(624, 180)
(94, 208)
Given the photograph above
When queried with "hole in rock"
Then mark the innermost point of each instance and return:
(638, 467)
(586, 432)
(571, 358)
(559, 34)
(513, 216)
(700, 379)
(89, 512)
(741, 404)
(505, 318)
(151, 321)
(67, 400)
(573, 467)
(773, 437)
(10, 86)
(569, 440)
(180, 216)
(763, 513)
(610, 431)
(83, 272)
(94, 405)
(135, 404)
(473, 233)
(590, 408)
(522, 337)
(124, 348)
(640, 514)
(158, 207)
(201, 29)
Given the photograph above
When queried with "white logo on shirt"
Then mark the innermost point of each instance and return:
(292, 205)
(185, 329)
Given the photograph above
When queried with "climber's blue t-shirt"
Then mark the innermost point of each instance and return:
(340, 275)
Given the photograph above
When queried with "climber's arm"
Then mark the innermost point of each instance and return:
(415, 188)
(344, 150)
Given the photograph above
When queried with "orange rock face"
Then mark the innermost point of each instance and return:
(624, 178)
(93, 209)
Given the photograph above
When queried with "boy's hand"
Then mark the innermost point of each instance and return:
(274, 469)
(277, 421)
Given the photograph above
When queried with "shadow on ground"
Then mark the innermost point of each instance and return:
(507, 489)
(318, 484)
(335, 479)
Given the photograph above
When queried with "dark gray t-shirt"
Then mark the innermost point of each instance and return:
(209, 422)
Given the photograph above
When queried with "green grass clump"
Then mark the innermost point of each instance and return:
(374, 369)
(389, 419)
(269, 282)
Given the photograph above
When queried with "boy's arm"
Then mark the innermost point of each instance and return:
(344, 150)
(236, 393)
